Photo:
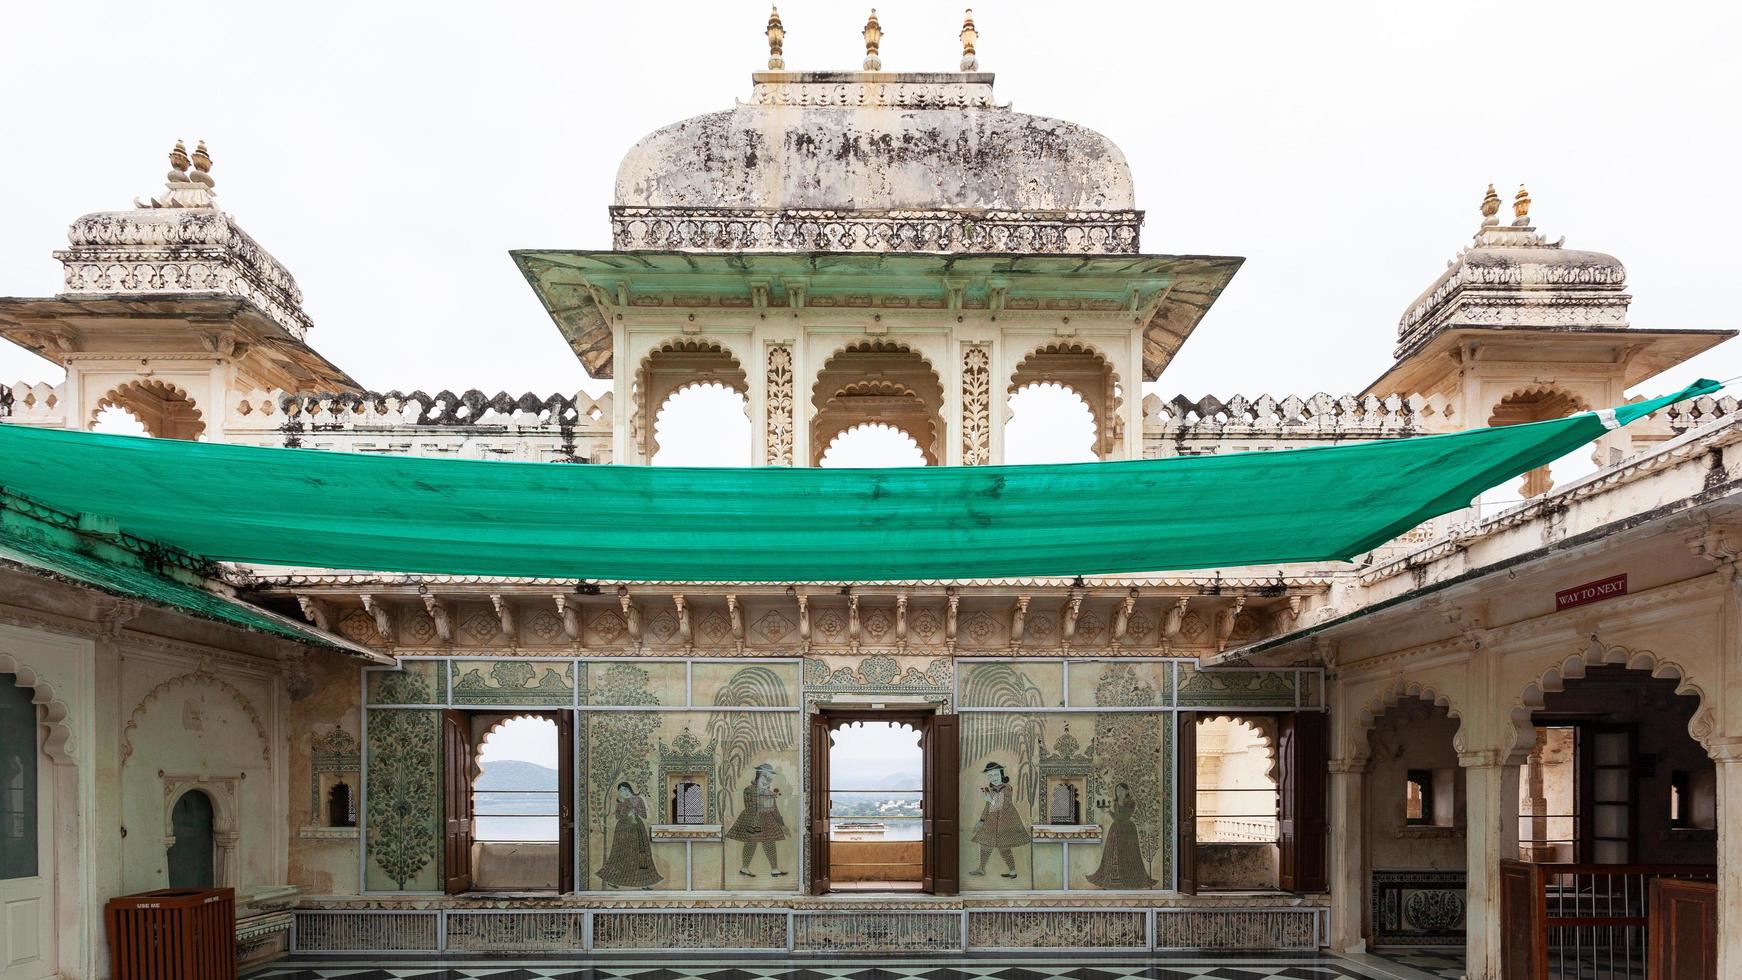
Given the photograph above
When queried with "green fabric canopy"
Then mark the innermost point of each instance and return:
(470, 517)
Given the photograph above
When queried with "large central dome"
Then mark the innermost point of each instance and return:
(929, 151)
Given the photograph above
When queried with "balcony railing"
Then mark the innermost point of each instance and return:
(1581, 921)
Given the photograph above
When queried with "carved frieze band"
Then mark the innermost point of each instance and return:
(976, 405)
(778, 451)
(1075, 233)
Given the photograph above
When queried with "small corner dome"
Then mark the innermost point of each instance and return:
(1512, 259)
(882, 156)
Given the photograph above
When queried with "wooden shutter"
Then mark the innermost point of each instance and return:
(1185, 804)
(456, 802)
(565, 800)
(1684, 930)
(943, 854)
(1304, 751)
(819, 805)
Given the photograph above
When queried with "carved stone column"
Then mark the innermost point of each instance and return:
(1491, 801)
(1727, 756)
(1348, 877)
(977, 413)
(779, 421)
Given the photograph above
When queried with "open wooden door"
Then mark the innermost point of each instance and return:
(565, 800)
(1185, 801)
(1303, 748)
(819, 805)
(943, 856)
(456, 802)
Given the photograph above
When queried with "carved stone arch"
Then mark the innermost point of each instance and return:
(1360, 748)
(1701, 727)
(52, 713)
(225, 794)
(673, 366)
(166, 410)
(495, 725)
(1266, 737)
(184, 680)
(1536, 403)
(1089, 373)
(872, 381)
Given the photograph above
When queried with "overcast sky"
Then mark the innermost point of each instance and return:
(391, 154)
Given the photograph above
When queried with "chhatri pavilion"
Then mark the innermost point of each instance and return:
(1446, 739)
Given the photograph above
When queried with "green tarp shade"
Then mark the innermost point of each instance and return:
(109, 571)
(472, 517)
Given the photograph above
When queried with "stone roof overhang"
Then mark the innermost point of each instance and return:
(1643, 354)
(60, 328)
(1165, 296)
(1514, 544)
(42, 542)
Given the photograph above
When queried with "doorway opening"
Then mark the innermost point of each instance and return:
(876, 807)
(508, 801)
(191, 857)
(883, 801)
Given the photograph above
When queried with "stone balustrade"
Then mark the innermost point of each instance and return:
(1182, 427)
(33, 404)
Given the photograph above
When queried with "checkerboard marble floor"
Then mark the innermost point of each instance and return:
(1444, 964)
(1193, 967)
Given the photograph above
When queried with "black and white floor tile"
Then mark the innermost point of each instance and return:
(1443, 964)
(1193, 967)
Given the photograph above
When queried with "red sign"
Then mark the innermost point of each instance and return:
(1604, 588)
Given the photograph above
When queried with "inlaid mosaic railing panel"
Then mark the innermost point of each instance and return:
(367, 931)
(1058, 929)
(877, 932)
(685, 930)
(1238, 928)
(516, 931)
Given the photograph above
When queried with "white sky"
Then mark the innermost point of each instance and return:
(392, 153)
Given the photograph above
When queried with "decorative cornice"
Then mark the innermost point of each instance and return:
(1035, 232)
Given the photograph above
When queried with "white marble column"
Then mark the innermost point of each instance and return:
(1727, 755)
(1491, 802)
(1348, 859)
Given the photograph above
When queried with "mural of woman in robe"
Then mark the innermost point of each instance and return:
(1122, 864)
(760, 823)
(1000, 828)
(630, 861)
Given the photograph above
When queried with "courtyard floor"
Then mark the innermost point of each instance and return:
(1195, 966)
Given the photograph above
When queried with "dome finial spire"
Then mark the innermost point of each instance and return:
(873, 38)
(1490, 207)
(776, 39)
(970, 60)
(1521, 207)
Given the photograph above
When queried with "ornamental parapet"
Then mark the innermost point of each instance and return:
(1182, 427)
(806, 230)
(471, 424)
(42, 404)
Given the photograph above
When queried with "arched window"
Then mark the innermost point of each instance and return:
(341, 805)
(1049, 423)
(191, 857)
(118, 421)
(872, 444)
(703, 425)
(18, 755)
(515, 796)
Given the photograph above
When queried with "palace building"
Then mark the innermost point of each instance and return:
(1442, 745)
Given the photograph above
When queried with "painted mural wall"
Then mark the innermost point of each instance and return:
(1066, 781)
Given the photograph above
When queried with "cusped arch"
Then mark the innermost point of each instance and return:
(1083, 369)
(1265, 739)
(185, 680)
(1367, 717)
(496, 726)
(166, 410)
(674, 365)
(878, 380)
(1536, 402)
(848, 432)
(52, 714)
(1596, 653)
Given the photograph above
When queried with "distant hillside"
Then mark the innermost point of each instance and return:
(859, 779)
(513, 774)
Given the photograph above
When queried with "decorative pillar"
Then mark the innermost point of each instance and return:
(1491, 801)
(976, 424)
(1348, 877)
(1727, 757)
(779, 423)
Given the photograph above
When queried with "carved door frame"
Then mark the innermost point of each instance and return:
(938, 788)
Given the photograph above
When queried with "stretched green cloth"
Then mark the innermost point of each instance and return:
(470, 517)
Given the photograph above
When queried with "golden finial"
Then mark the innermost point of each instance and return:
(776, 38)
(178, 161)
(202, 165)
(873, 38)
(970, 61)
(1521, 207)
(1490, 207)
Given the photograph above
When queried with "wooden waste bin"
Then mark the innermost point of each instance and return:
(173, 934)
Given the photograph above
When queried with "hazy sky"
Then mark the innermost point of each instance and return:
(391, 154)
